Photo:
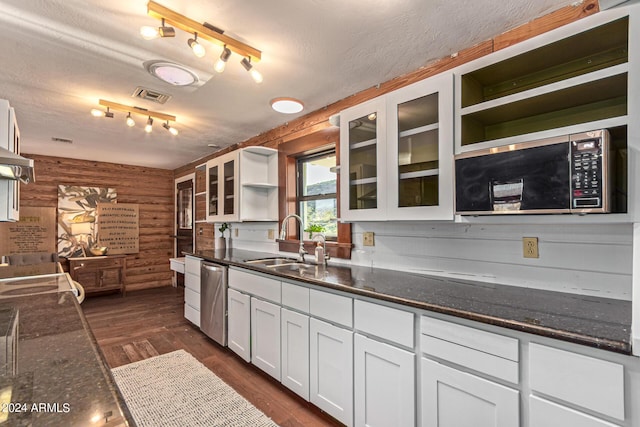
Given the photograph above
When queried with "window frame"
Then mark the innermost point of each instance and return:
(288, 153)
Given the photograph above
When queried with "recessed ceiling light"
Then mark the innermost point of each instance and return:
(171, 73)
(287, 105)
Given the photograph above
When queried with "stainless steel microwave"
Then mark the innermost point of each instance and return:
(568, 174)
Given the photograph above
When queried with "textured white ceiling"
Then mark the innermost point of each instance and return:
(59, 57)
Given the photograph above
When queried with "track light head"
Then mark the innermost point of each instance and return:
(255, 74)
(130, 121)
(108, 114)
(150, 33)
(173, 131)
(197, 48)
(222, 61)
(149, 127)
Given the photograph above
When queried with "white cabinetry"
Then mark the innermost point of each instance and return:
(384, 384)
(586, 382)
(265, 336)
(239, 323)
(243, 186)
(397, 154)
(10, 140)
(473, 353)
(192, 289)
(295, 352)
(331, 369)
(452, 398)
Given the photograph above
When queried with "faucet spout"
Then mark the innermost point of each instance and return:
(283, 234)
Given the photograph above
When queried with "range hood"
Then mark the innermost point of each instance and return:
(13, 166)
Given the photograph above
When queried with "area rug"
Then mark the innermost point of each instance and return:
(175, 389)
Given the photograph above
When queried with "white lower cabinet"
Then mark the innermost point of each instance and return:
(192, 289)
(265, 336)
(543, 413)
(239, 324)
(452, 398)
(384, 384)
(295, 352)
(331, 369)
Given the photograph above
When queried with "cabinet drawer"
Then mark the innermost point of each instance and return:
(485, 352)
(544, 413)
(191, 281)
(192, 298)
(296, 297)
(96, 263)
(177, 264)
(192, 265)
(192, 315)
(384, 322)
(254, 284)
(582, 380)
(335, 308)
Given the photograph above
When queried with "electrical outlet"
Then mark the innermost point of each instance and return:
(271, 234)
(530, 247)
(367, 239)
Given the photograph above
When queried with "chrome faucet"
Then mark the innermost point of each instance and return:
(283, 234)
(326, 256)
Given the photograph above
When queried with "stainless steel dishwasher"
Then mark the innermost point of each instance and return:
(213, 302)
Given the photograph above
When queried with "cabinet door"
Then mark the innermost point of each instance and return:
(384, 385)
(213, 196)
(228, 187)
(295, 352)
(331, 370)
(452, 398)
(265, 336)
(239, 325)
(420, 150)
(362, 160)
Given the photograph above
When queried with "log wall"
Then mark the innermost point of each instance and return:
(152, 189)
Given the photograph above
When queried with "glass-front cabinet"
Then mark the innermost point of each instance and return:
(222, 188)
(420, 150)
(399, 152)
(362, 160)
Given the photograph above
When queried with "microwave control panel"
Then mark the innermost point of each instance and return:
(588, 174)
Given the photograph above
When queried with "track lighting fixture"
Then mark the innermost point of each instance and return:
(210, 33)
(222, 61)
(136, 110)
(149, 33)
(255, 74)
(173, 131)
(99, 113)
(149, 126)
(196, 47)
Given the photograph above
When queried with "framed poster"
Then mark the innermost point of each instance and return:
(34, 232)
(118, 227)
(77, 217)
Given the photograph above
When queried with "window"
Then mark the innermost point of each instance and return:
(316, 192)
(305, 152)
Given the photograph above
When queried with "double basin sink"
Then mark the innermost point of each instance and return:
(281, 264)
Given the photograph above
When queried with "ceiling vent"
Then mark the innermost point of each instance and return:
(150, 95)
(65, 140)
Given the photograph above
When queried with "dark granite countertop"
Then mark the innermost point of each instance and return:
(597, 322)
(61, 377)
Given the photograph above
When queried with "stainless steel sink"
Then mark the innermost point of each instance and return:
(292, 266)
(272, 262)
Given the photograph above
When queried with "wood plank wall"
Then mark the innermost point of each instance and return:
(318, 120)
(152, 189)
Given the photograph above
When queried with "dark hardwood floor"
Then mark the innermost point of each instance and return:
(151, 322)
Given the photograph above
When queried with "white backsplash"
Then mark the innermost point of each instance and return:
(581, 259)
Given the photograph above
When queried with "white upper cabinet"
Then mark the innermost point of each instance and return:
(10, 140)
(243, 186)
(397, 154)
(420, 150)
(362, 161)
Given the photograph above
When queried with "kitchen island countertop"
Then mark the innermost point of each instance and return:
(60, 375)
(603, 323)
